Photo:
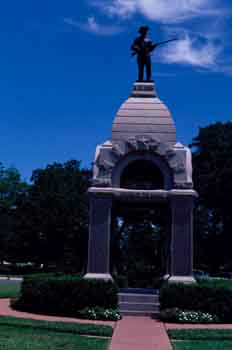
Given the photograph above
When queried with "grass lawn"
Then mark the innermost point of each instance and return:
(70, 327)
(201, 339)
(202, 345)
(221, 282)
(9, 289)
(14, 338)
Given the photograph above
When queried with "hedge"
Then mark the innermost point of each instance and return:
(65, 295)
(210, 299)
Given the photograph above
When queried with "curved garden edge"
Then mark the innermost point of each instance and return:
(6, 310)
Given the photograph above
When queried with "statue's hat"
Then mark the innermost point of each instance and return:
(143, 29)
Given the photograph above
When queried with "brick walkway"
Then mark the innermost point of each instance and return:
(140, 333)
(5, 310)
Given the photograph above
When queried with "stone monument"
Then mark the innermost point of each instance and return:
(143, 131)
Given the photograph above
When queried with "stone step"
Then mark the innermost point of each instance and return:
(150, 307)
(139, 302)
(140, 313)
(138, 298)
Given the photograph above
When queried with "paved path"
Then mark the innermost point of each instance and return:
(5, 310)
(140, 333)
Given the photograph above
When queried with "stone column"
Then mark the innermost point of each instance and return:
(182, 205)
(99, 236)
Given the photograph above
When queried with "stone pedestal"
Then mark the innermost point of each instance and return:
(181, 264)
(99, 236)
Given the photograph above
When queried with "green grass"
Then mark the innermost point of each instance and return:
(201, 334)
(202, 345)
(9, 291)
(13, 338)
(70, 327)
(201, 339)
(223, 283)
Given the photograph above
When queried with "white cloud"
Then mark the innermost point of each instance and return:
(199, 47)
(120, 8)
(191, 51)
(168, 11)
(92, 26)
(172, 11)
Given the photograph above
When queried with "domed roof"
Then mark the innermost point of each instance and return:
(144, 114)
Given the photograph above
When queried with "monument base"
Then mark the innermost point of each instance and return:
(166, 277)
(182, 279)
(98, 276)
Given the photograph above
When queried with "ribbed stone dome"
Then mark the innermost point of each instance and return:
(144, 114)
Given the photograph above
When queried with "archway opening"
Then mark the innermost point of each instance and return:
(142, 175)
(140, 243)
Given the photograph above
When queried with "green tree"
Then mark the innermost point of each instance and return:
(52, 217)
(212, 162)
(11, 188)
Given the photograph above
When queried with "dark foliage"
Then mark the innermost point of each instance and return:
(212, 163)
(65, 295)
(51, 220)
(214, 300)
(11, 188)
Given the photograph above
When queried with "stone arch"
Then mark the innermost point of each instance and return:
(143, 156)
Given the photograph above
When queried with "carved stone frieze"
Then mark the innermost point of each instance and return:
(111, 154)
(140, 143)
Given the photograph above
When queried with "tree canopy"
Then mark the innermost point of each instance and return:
(11, 188)
(50, 220)
(212, 164)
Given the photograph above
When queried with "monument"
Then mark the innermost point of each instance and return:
(143, 133)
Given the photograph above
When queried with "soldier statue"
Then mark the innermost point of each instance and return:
(143, 47)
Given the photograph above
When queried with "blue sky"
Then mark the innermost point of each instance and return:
(65, 68)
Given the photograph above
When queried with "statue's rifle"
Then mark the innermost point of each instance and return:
(154, 46)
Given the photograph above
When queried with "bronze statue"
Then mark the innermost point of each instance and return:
(143, 47)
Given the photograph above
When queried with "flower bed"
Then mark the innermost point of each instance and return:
(181, 316)
(203, 300)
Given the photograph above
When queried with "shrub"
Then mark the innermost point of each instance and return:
(168, 315)
(65, 294)
(207, 299)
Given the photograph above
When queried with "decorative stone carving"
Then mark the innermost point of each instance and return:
(110, 154)
(117, 151)
(141, 142)
(178, 166)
